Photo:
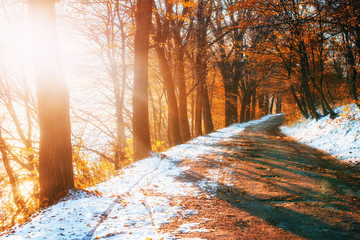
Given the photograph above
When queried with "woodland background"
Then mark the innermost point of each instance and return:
(211, 64)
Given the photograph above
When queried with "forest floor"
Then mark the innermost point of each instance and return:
(251, 184)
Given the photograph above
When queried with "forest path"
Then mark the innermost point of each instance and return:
(247, 181)
(264, 185)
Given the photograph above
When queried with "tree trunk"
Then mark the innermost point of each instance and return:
(261, 105)
(253, 104)
(198, 111)
(231, 99)
(183, 115)
(303, 102)
(118, 115)
(122, 136)
(173, 113)
(321, 64)
(324, 101)
(154, 118)
(353, 88)
(243, 106)
(141, 132)
(300, 106)
(266, 105)
(304, 79)
(278, 108)
(231, 83)
(55, 156)
(193, 114)
(247, 106)
(207, 116)
(353, 71)
(202, 102)
(272, 104)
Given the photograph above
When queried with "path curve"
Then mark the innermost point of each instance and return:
(265, 185)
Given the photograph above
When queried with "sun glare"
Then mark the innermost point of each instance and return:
(26, 188)
(13, 42)
(17, 45)
(24, 43)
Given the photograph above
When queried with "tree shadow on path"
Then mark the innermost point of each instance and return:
(289, 185)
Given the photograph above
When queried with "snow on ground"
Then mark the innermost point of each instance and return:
(339, 137)
(191, 227)
(133, 204)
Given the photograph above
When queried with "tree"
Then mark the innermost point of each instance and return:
(345, 17)
(229, 55)
(162, 33)
(297, 26)
(181, 36)
(55, 154)
(17, 197)
(141, 132)
(104, 23)
(203, 110)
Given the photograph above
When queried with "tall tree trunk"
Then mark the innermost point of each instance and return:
(122, 136)
(141, 132)
(118, 112)
(247, 106)
(55, 156)
(353, 71)
(253, 104)
(272, 104)
(324, 100)
(192, 115)
(183, 114)
(154, 118)
(321, 63)
(304, 80)
(353, 88)
(173, 113)
(231, 82)
(278, 108)
(198, 110)
(266, 105)
(261, 105)
(231, 100)
(207, 116)
(243, 106)
(201, 72)
(326, 106)
(300, 106)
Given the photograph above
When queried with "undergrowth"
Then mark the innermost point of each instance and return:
(295, 116)
(87, 172)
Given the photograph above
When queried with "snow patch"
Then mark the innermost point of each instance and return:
(191, 227)
(340, 137)
(133, 204)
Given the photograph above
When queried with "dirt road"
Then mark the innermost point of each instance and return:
(267, 186)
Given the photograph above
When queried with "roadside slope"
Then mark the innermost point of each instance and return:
(248, 181)
(339, 137)
(132, 205)
(265, 185)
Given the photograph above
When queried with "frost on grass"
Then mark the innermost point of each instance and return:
(339, 137)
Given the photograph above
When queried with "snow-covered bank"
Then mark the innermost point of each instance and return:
(339, 137)
(132, 205)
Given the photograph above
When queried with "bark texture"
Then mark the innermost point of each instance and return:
(55, 156)
(141, 132)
